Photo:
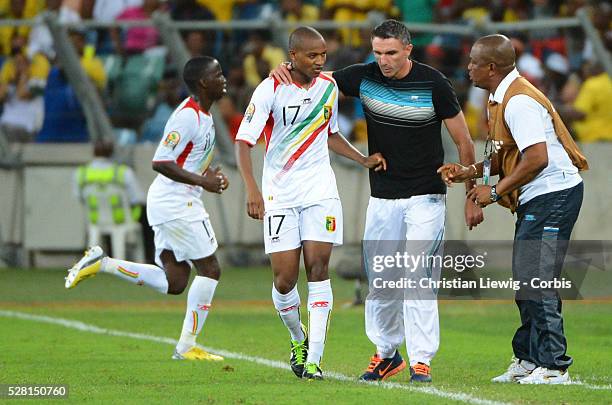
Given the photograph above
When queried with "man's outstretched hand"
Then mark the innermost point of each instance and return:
(455, 173)
(375, 161)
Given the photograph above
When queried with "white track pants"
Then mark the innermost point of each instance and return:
(390, 322)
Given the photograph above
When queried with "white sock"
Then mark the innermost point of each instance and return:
(137, 273)
(199, 299)
(288, 307)
(320, 302)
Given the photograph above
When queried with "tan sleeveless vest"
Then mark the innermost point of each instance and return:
(507, 151)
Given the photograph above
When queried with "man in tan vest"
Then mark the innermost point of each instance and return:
(537, 161)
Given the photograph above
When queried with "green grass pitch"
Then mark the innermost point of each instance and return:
(121, 353)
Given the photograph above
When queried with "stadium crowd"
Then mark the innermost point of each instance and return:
(139, 84)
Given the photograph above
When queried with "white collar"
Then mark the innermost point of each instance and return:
(500, 92)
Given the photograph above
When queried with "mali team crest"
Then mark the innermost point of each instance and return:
(327, 110)
(330, 224)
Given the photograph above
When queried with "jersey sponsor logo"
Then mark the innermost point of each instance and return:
(172, 139)
(330, 224)
(319, 304)
(306, 101)
(327, 111)
(249, 113)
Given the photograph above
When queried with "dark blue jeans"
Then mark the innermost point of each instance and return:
(543, 228)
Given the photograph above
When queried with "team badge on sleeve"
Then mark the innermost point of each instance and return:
(327, 110)
(330, 224)
(172, 139)
(250, 111)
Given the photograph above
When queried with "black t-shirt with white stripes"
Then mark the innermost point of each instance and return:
(404, 119)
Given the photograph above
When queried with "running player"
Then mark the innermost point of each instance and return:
(302, 209)
(183, 233)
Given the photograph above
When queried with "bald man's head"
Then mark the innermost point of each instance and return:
(491, 59)
(303, 36)
(496, 49)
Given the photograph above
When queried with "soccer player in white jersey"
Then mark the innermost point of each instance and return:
(183, 233)
(302, 209)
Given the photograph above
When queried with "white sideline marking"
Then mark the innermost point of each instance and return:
(78, 325)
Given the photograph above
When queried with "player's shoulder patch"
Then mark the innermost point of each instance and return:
(250, 111)
(172, 139)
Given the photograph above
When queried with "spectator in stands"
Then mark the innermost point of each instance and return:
(339, 56)
(197, 43)
(230, 115)
(91, 64)
(351, 10)
(528, 65)
(418, 11)
(591, 109)
(601, 15)
(294, 11)
(137, 39)
(22, 82)
(237, 87)
(190, 10)
(170, 94)
(261, 57)
(107, 10)
(40, 40)
(16, 9)
(556, 71)
(64, 117)
(476, 11)
(222, 10)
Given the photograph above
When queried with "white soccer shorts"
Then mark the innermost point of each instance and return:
(391, 321)
(286, 228)
(186, 239)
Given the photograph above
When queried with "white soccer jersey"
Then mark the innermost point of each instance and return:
(189, 140)
(295, 123)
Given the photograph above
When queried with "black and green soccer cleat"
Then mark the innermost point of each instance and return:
(312, 372)
(299, 353)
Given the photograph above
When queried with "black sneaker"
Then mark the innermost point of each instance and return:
(312, 372)
(380, 369)
(299, 353)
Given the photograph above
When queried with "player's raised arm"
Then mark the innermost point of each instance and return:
(340, 145)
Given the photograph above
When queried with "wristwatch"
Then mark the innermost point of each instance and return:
(494, 197)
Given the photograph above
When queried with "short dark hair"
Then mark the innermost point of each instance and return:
(195, 70)
(299, 34)
(392, 29)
